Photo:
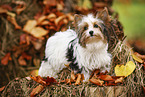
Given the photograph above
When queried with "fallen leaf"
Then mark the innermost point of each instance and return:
(36, 62)
(22, 39)
(38, 79)
(37, 44)
(96, 81)
(26, 56)
(6, 6)
(34, 73)
(6, 59)
(78, 80)
(2, 10)
(13, 15)
(119, 80)
(73, 77)
(20, 9)
(22, 61)
(38, 32)
(2, 88)
(36, 90)
(139, 55)
(106, 77)
(13, 21)
(40, 19)
(30, 24)
(57, 20)
(50, 2)
(136, 58)
(125, 70)
(48, 81)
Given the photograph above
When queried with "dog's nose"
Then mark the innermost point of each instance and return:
(91, 33)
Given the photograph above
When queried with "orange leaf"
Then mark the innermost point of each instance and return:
(6, 59)
(78, 79)
(23, 39)
(13, 21)
(106, 78)
(96, 81)
(38, 79)
(22, 61)
(2, 88)
(26, 56)
(36, 90)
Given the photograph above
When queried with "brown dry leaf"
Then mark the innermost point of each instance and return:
(119, 80)
(139, 55)
(13, 21)
(36, 62)
(6, 59)
(30, 24)
(78, 80)
(138, 59)
(22, 61)
(70, 17)
(22, 39)
(26, 56)
(38, 79)
(106, 78)
(37, 43)
(6, 6)
(36, 90)
(50, 2)
(20, 9)
(40, 19)
(96, 81)
(57, 20)
(59, 7)
(38, 32)
(95, 73)
(44, 23)
(51, 15)
(2, 10)
(2, 88)
(67, 81)
(73, 77)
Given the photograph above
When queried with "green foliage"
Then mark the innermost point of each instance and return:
(132, 16)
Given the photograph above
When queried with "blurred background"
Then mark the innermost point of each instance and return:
(132, 16)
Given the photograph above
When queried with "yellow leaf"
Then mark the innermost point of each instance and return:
(121, 70)
(38, 32)
(136, 58)
(34, 73)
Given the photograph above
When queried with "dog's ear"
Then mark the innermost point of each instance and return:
(103, 15)
(77, 18)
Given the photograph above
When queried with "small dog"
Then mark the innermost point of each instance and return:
(84, 49)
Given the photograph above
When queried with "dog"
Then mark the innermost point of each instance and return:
(84, 48)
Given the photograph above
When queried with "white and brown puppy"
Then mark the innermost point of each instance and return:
(84, 49)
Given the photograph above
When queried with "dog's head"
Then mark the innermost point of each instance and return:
(90, 28)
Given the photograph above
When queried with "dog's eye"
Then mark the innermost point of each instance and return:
(96, 26)
(85, 28)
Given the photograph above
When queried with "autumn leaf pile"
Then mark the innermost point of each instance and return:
(27, 30)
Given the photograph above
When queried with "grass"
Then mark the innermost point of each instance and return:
(132, 16)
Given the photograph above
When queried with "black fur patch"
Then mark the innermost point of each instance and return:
(45, 59)
(73, 65)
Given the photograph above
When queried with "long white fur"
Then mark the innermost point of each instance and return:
(93, 56)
